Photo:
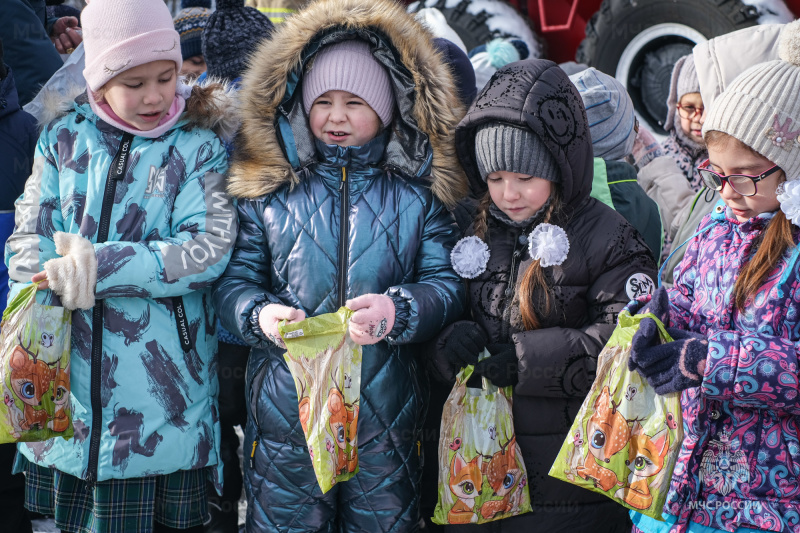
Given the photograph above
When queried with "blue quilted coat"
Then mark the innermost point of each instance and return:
(144, 390)
(323, 224)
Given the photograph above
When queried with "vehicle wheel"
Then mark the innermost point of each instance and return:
(481, 21)
(639, 42)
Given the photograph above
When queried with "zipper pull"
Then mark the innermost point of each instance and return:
(90, 481)
(419, 446)
(253, 454)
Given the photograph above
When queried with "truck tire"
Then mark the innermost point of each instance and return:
(480, 21)
(639, 42)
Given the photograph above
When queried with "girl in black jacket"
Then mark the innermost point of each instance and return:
(544, 299)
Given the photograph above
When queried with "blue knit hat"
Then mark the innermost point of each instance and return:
(609, 110)
(189, 23)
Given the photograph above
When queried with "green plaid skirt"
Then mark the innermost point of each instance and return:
(177, 500)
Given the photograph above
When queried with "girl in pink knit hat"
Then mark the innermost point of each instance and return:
(126, 221)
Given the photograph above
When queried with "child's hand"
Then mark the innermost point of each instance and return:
(42, 277)
(373, 318)
(269, 317)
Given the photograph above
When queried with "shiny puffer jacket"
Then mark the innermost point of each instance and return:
(144, 389)
(608, 263)
(323, 224)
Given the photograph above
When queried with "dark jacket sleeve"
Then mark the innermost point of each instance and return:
(242, 287)
(27, 47)
(437, 296)
(561, 362)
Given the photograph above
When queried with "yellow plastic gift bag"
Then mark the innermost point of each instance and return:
(326, 366)
(482, 476)
(625, 438)
(34, 368)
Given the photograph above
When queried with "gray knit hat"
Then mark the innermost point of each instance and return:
(761, 108)
(683, 81)
(499, 147)
(350, 66)
(609, 110)
(232, 33)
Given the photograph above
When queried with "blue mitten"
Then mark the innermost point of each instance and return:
(672, 366)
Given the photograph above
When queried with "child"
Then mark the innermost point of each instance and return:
(125, 218)
(344, 168)
(527, 151)
(189, 23)
(613, 127)
(684, 110)
(733, 314)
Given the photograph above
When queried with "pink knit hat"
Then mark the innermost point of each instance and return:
(350, 66)
(121, 34)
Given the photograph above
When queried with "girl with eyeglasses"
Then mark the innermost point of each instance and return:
(734, 317)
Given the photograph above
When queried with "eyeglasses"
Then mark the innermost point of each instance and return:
(690, 111)
(743, 184)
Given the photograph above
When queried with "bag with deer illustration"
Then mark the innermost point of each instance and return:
(34, 367)
(625, 438)
(326, 366)
(482, 476)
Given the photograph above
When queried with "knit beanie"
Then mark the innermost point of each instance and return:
(500, 147)
(761, 109)
(609, 110)
(119, 35)
(231, 35)
(460, 67)
(683, 81)
(189, 23)
(350, 66)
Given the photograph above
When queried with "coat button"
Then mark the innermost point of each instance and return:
(714, 414)
(718, 209)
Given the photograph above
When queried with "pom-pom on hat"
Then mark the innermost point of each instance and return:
(761, 109)
(119, 35)
(189, 23)
(350, 66)
(231, 35)
(609, 110)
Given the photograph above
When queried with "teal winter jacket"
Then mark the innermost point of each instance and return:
(144, 390)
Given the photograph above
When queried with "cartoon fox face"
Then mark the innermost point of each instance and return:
(465, 483)
(60, 420)
(646, 455)
(30, 380)
(607, 430)
(343, 425)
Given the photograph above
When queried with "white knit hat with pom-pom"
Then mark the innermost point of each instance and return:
(761, 107)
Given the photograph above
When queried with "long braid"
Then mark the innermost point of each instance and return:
(481, 217)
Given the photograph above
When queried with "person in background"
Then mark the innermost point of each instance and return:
(29, 50)
(189, 23)
(233, 31)
(18, 134)
(277, 10)
(613, 128)
(232, 34)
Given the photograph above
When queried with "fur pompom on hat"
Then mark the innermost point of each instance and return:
(119, 35)
(350, 66)
(761, 109)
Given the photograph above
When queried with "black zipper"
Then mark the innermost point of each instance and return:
(344, 234)
(115, 173)
(505, 325)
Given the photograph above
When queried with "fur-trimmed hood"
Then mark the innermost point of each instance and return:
(275, 142)
(211, 105)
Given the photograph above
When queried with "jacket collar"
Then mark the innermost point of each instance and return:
(354, 158)
(9, 100)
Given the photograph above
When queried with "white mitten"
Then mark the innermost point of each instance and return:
(373, 318)
(271, 314)
(73, 276)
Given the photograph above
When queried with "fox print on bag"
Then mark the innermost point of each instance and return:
(466, 480)
(608, 433)
(646, 457)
